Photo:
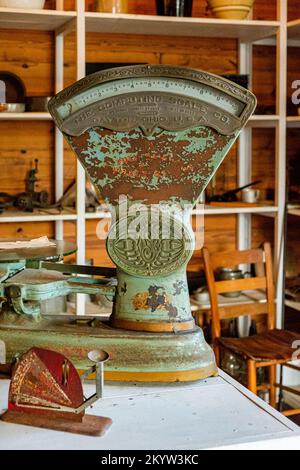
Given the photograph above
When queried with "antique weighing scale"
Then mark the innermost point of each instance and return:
(150, 138)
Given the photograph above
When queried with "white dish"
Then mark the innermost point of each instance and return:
(23, 4)
(201, 295)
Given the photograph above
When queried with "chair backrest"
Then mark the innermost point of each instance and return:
(262, 259)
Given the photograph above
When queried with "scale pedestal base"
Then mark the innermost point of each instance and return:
(90, 425)
(134, 355)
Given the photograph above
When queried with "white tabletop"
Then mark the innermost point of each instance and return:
(213, 413)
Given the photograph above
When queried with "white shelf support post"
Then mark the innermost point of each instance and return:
(280, 183)
(245, 153)
(244, 172)
(59, 144)
(80, 186)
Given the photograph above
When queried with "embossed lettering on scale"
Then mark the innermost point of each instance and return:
(148, 112)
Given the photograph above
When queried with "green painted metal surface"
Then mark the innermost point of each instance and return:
(150, 138)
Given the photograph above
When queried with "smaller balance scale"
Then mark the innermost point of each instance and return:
(152, 136)
(46, 392)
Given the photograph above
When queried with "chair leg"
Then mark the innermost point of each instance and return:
(272, 381)
(280, 396)
(252, 381)
(217, 355)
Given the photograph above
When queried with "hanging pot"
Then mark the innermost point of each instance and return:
(230, 9)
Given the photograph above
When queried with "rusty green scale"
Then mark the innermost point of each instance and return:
(150, 138)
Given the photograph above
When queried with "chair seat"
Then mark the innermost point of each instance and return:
(271, 346)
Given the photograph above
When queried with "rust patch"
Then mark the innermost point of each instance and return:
(155, 299)
(140, 301)
(145, 160)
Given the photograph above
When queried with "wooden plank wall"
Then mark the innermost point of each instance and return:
(30, 54)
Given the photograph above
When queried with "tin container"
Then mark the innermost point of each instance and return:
(227, 274)
(112, 6)
(174, 7)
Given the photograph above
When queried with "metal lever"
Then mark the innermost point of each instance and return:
(99, 357)
(79, 269)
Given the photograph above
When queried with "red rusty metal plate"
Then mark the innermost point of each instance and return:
(46, 379)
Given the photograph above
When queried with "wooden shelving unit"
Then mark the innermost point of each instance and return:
(41, 20)
(292, 304)
(294, 211)
(246, 32)
(293, 29)
(37, 216)
(260, 120)
(255, 121)
(26, 116)
(293, 121)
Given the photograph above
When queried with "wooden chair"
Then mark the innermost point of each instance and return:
(269, 349)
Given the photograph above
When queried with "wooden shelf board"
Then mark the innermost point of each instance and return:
(293, 28)
(261, 120)
(97, 215)
(292, 304)
(294, 211)
(208, 210)
(293, 121)
(10, 216)
(255, 121)
(27, 116)
(245, 30)
(258, 209)
(293, 118)
(45, 20)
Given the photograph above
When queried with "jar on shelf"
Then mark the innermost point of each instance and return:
(12, 93)
(174, 7)
(112, 6)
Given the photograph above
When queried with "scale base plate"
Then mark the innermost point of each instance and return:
(90, 426)
(135, 355)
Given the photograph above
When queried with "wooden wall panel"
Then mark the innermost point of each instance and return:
(20, 144)
(27, 230)
(30, 55)
(264, 77)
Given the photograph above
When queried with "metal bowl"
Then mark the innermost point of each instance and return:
(12, 107)
(227, 274)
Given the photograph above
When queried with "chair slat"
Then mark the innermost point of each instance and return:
(252, 283)
(236, 311)
(234, 258)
